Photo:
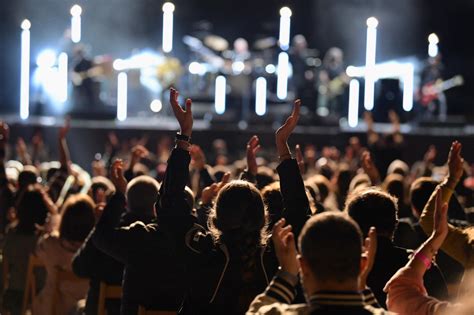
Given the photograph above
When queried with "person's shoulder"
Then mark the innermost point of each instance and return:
(287, 309)
(377, 311)
(198, 240)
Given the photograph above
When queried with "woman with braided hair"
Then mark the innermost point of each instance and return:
(228, 262)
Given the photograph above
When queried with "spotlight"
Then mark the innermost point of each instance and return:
(25, 70)
(156, 106)
(168, 9)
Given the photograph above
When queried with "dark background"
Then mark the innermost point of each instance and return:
(118, 26)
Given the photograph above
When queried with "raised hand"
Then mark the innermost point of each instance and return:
(138, 152)
(370, 169)
(116, 176)
(4, 132)
(284, 132)
(285, 248)
(430, 154)
(198, 159)
(370, 249)
(455, 164)
(253, 146)
(210, 192)
(184, 117)
(63, 131)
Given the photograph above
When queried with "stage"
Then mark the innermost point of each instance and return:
(88, 136)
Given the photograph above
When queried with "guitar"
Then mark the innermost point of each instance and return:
(430, 91)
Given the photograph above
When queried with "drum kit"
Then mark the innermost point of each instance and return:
(212, 56)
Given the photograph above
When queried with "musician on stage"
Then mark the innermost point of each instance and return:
(303, 79)
(84, 96)
(431, 73)
(332, 84)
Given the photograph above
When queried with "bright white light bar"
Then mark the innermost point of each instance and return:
(261, 96)
(282, 75)
(76, 12)
(370, 63)
(219, 100)
(122, 96)
(402, 71)
(62, 70)
(285, 22)
(353, 112)
(25, 70)
(408, 81)
(433, 41)
(168, 9)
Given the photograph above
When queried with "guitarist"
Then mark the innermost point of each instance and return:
(332, 84)
(84, 87)
(431, 73)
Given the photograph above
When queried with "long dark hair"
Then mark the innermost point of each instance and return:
(239, 219)
(31, 210)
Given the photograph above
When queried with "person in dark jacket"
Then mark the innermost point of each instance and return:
(231, 263)
(374, 207)
(153, 275)
(90, 262)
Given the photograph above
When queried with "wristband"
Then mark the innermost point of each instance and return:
(182, 137)
(425, 260)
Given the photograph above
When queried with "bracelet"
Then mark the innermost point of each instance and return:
(425, 260)
(182, 137)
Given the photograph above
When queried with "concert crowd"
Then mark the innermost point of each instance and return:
(181, 230)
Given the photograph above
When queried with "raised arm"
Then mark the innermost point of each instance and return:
(138, 152)
(458, 243)
(250, 173)
(64, 157)
(296, 205)
(4, 135)
(172, 200)
(406, 292)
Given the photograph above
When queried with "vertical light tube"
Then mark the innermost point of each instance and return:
(219, 97)
(261, 96)
(285, 22)
(76, 12)
(282, 75)
(62, 70)
(370, 75)
(408, 82)
(25, 70)
(433, 41)
(122, 96)
(353, 111)
(168, 9)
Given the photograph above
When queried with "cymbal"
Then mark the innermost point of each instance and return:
(265, 43)
(216, 43)
(192, 42)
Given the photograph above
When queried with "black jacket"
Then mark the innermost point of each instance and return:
(90, 262)
(215, 270)
(388, 259)
(154, 274)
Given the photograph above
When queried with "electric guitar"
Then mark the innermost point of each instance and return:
(430, 91)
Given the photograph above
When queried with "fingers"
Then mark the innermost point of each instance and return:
(296, 109)
(174, 101)
(277, 227)
(188, 105)
(370, 246)
(225, 179)
(117, 169)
